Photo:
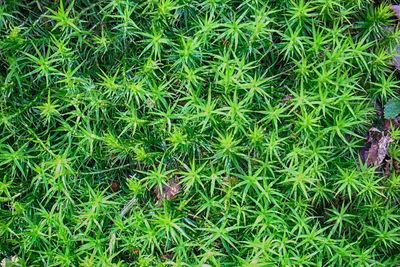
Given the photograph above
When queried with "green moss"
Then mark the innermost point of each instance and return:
(258, 108)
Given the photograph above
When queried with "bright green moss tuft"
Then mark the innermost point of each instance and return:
(257, 108)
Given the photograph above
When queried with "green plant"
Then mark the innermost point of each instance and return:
(196, 133)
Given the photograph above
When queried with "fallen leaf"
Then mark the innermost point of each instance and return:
(169, 191)
(396, 10)
(376, 147)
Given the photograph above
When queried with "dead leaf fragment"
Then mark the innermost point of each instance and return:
(167, 256)
(396, 59)
(379, 109)
(391, 124)
(396, 166)
(376, 147)
(9, 262)
(396, 10)
(115, 187)
(169, 191)
(387, 166)
(287, 98)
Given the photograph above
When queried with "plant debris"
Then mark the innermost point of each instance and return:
(391, 124)
(375, 148)
(169, 191)
(396, 10)
(115, 187)
(287, 98)
(9, 262)
(167, 256)
(379, 110)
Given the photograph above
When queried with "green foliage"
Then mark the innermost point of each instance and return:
(258, 108)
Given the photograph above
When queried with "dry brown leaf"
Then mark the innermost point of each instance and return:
(396, 10)
(376, 147)
(169, 191)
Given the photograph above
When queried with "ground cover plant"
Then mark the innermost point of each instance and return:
(199, 133)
